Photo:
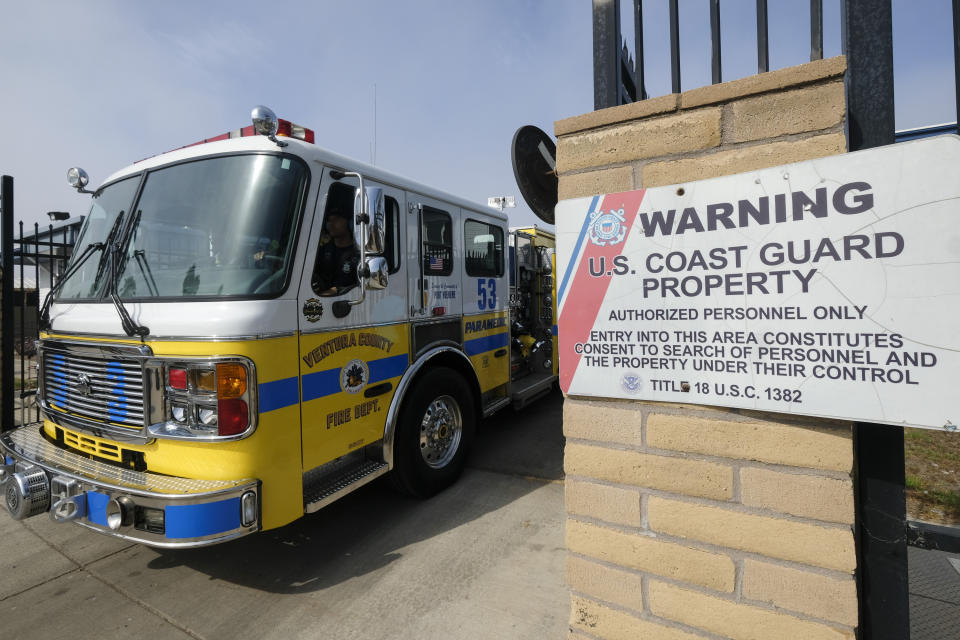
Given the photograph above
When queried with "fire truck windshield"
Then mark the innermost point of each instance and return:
(212, 228)
(102, 225)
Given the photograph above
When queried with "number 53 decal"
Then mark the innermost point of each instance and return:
(487, 293)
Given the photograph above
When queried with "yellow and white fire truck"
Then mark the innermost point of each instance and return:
(223, 355)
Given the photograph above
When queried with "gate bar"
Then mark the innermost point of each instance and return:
(816, 30)
(763, 47)
(638, 48)
(606, 47)
(6, 307)
(717, 70)
(881, 519)
(19, 337)
(867, 34)
(675, 45)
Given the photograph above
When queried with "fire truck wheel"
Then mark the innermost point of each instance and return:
(433, 434)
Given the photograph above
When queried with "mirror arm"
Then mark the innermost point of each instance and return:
(363, 218)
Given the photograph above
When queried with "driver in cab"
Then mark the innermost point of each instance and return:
(337, 255)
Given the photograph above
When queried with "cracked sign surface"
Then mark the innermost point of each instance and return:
(827, 288)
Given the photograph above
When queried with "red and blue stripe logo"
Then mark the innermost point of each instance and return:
(581, 294)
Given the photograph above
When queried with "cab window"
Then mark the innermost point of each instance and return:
(392, 234)
(335, 270)
(483, 249)
(437, 242)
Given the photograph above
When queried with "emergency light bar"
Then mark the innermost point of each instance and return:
(285, 128)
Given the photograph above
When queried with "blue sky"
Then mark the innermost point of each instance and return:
(101, 84)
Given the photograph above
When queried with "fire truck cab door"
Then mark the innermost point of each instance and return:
(434, 243)
(349, 365)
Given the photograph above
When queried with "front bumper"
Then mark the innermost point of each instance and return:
(149, 508)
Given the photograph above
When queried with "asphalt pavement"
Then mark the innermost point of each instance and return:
(934, 594)
(483, 559)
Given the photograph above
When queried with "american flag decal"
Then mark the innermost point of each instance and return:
(436, 264)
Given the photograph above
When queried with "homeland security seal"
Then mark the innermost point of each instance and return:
(631, 382)
(608, 228)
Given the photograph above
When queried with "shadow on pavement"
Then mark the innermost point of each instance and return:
(528, 442)
(515, 454)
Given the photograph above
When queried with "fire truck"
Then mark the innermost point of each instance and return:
(252, 327)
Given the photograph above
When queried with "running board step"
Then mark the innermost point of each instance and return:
(329, 488)
(531, 387)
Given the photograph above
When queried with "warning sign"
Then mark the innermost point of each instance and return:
(827, 288)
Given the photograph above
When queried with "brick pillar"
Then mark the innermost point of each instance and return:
(684, 520)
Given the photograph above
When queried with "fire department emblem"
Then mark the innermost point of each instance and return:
(354, 376)
(607, 229)
(312, 309)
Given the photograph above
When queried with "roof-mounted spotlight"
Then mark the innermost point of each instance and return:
(78, 179)
(56, 216)
(265, 123)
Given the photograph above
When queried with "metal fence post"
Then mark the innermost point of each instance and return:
(675, 46)
(867, 32)
(816, 30)
(6, 326)
(606, 51)
(763, 45)
(716, 65)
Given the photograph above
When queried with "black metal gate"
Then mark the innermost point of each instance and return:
(33, 259)
(867, 42)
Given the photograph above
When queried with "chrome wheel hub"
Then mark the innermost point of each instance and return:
(440, 431)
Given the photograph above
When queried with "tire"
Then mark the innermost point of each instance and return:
(434, 433)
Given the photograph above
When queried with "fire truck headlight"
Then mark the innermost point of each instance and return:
(205, 398)
(179, 412)
(207, 415)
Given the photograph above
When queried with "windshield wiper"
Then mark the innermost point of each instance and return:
(130, 327)
(102, 266)
(141, 257)
(87, 252)
(45, 309)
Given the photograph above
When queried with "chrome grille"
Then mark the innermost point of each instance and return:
(106, 387)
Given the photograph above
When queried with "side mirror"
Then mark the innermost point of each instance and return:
(368, 206)
(378, 271)
(374, 275)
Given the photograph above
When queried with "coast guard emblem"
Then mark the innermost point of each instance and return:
(607, 229)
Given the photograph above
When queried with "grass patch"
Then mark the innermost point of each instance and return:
(932, 464)
(949, 499)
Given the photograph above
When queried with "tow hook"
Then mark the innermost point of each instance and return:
(71, 500)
